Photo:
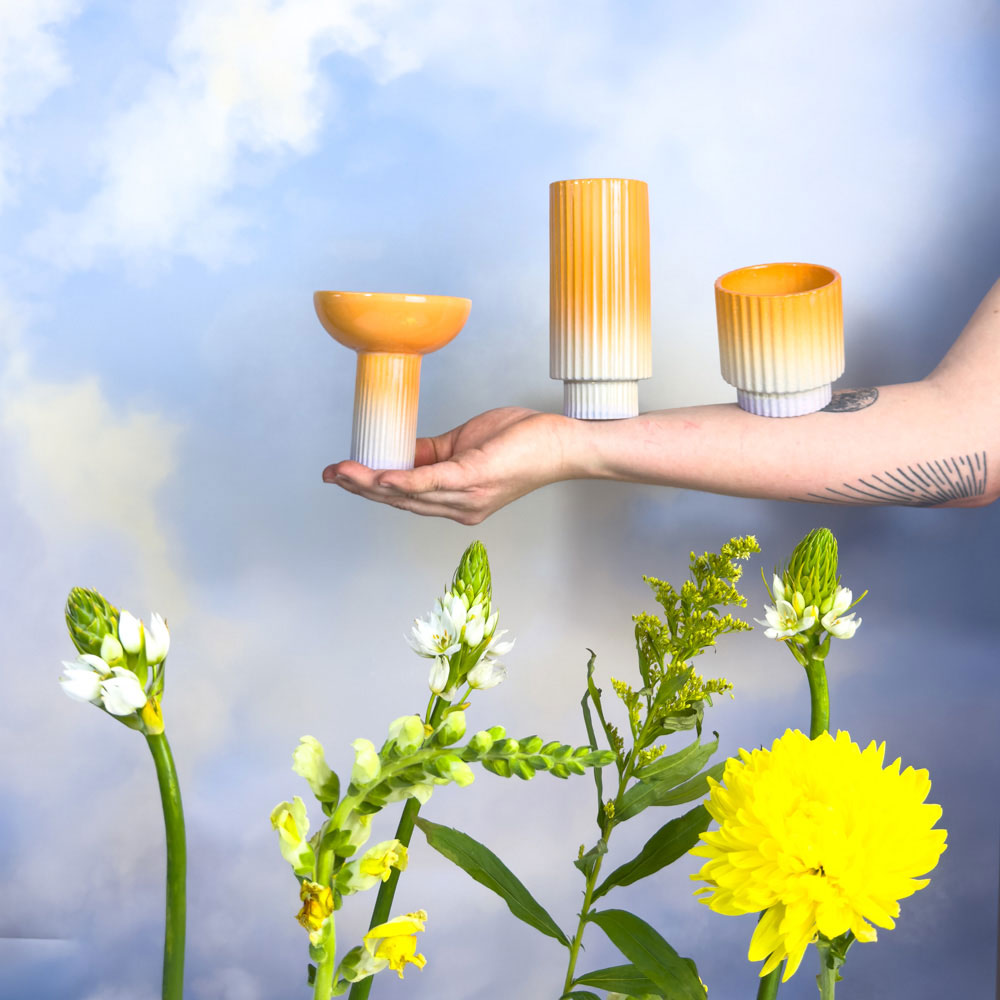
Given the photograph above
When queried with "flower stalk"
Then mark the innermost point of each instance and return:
(173, 821)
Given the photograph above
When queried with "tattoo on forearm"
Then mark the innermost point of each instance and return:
(848, 400)
(925, 484)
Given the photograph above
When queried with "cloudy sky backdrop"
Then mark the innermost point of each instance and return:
(175, 181)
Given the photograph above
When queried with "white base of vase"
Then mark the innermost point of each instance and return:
(785, 404)
(386, 392)
(601, 400)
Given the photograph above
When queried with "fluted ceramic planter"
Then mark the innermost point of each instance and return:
(781, 336)
(391, 333)
(599, 329)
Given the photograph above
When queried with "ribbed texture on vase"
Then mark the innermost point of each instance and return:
(781, 327)
(599, 324)
(601, 400)
(785, 404)
(386, 393)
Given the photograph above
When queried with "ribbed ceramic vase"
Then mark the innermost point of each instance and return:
(599, 329)
(391, 333)
(781, 336)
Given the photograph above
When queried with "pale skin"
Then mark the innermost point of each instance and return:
(935, 442)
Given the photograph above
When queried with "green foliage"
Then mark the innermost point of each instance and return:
(625, 979)
(670, 974)
(486, 868)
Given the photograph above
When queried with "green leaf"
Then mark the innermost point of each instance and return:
(580, 995)
(625, 979)
(696, 788)
(487, 869)
(587, 862)
(660, 788)
(650, 954)
(665, 846)
(592, 736)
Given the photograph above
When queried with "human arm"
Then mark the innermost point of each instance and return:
(926, 443)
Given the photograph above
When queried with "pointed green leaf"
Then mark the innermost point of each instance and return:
(650, 954)
(487, 869)
(592, 736)
(661, 788)
(665, 846)
(696, 788)
(625, 979)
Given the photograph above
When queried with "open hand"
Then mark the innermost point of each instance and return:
(471, 471)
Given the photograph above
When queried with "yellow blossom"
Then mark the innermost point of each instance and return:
(396, 941)
(317, 905)
(820, 836)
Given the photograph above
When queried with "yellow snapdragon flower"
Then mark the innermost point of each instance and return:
(396, 941)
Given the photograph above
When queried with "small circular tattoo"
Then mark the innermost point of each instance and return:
(848, 400)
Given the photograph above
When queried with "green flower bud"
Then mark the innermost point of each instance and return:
(452, 768)
(812, 568)
(497, 733)
(472, 578)
(407, 733)
(481, 742)
(309, 762)
(451, 730)
(508, 747)
(367, 765)
(522, 768)
(89, 618)
(531, 744)
(111, 651)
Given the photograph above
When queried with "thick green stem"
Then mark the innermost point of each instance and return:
(819, 695)
(323, 984)
(173, 820)
(828, 966)
(387, 890)
(768, 988)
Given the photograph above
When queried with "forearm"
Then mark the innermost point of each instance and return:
(908, 446)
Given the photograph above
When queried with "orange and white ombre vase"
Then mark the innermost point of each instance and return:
(391, 333)
(599, 333)
(781, 336)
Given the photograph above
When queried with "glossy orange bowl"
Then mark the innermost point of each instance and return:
(392, 323)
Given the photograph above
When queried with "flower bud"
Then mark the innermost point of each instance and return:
(309, 762)
(89, 618)
(358, 828)
(407, 733)
(452, 768)
(157, 639)
(130, 632)
(497, 733)
(812, 568)
(481, 742)
(472, 577)
(451, 730)
(367, 765)
(292, 824)
(111, 651)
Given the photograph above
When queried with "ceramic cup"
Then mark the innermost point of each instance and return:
(391, 333)
(781, 336)
(599, 332)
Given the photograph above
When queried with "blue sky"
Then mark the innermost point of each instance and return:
(177, 179)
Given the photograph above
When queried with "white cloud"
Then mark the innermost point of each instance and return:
(243, 79)
(31, 64)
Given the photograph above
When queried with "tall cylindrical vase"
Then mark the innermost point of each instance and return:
(599, 315)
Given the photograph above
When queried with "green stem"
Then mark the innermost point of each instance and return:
(387, 890)
(828, 965)
(769, 984)
(173, 820)
(819, 695)
(574, 950)
(323, 984)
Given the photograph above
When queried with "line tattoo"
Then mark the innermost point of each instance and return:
(848, 400)
(925, 484)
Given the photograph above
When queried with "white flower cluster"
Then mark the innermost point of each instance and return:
(786, 618)
(107, 680)
(454, 628)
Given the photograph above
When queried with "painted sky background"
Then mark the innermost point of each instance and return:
(176, 180)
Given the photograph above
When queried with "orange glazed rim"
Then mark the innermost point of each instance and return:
(395, 296)
(598, 180)
(777, 280)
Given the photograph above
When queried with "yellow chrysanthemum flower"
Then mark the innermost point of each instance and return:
(821, 837)
(396, 941)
